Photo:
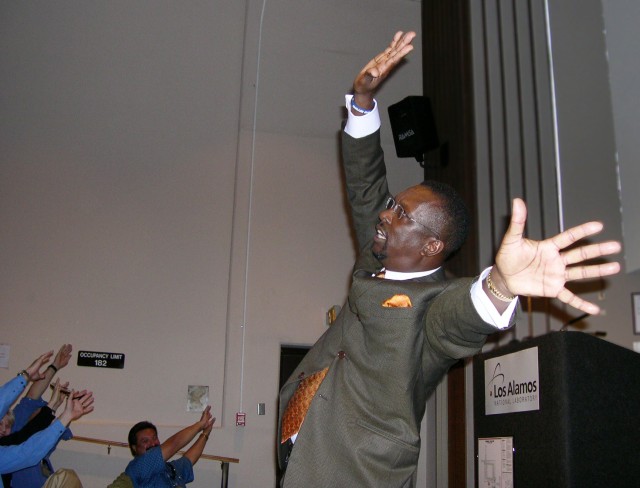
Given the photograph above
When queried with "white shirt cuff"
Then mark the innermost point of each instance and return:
(486, 309)
(361, 125)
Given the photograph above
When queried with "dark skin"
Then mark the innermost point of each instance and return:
(403, 245)
(522, 266)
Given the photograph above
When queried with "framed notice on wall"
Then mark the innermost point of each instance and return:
(635, 310)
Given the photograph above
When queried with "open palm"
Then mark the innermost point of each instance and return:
(542, 268)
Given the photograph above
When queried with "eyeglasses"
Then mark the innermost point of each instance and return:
(400, 212)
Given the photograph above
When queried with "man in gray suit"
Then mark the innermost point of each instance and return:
(396, 337)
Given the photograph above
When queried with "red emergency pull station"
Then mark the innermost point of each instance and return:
(240, 419)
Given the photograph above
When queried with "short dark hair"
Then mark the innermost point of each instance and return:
(453, 222)
(133, 433)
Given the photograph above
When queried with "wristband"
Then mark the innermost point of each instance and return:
(358, 109)
(25, 374)
(205, 435)
(55, 370)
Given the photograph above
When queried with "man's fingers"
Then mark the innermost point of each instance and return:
(592, 271)
(44, 358)
(85, 401)
(400, 46)
(381, 65)
(517, 222)
(402, 39)
(591, 251)
(574, 234)
(578, 303)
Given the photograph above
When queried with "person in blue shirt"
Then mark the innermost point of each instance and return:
(35, 476)
(151, 467)
(30, 452)
(43, 417)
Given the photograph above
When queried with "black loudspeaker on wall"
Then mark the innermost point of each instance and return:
(413, 127)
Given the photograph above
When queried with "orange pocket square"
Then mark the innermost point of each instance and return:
(397, 301)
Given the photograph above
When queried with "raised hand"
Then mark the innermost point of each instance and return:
(62, 357)
(78, 404)
(59, 393)
(60, 360)
(33, 371)
(376, 70)
(209, 427)
(206, 420)
(542, 268)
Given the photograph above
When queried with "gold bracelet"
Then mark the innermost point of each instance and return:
(496, 293)
(206, 436)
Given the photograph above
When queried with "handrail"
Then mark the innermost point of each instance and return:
(224, 461)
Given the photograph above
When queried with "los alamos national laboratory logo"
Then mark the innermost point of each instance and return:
(512, 382)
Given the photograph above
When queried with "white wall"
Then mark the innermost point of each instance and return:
(141, 212)
(571, 92)
(588, 144)
(620, 21)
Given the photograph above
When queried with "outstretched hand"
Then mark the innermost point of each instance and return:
(206, 420)
(209, 427)
(78, 404)
(34, 369)
(62, 357)
(59, 393)
(376, 70)
(60, 360)
(542, 268)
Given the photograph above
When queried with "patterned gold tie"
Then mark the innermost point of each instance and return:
(299, 404)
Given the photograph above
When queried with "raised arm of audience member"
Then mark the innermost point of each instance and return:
(78, 404)
(14, 458)
(32, 400)
(60, 360)
(180, 439)
(58, 395)
(151, 467)
(8, 393)
(195, 451)
(13, 388)
(38, 474)
(40, 421)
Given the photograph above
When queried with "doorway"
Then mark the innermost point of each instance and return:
(290, 357)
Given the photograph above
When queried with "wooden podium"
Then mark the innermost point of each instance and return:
(559, 410)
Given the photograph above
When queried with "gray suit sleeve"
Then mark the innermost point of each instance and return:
(366, 180)
(453, 330)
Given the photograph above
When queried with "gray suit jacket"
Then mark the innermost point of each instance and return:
(363, 426)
